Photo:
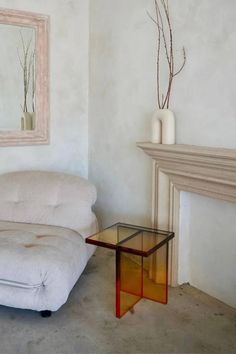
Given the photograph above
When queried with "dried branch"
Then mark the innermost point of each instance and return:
(33, 82)
(150, 16)
(161, 24)
(184, 62)
(165, 39)
(26, 63)
(171, 64)
(22, 42)
(158, 61)
(21, 63)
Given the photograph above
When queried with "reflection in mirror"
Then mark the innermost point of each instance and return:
(17, 75)
(24, 89)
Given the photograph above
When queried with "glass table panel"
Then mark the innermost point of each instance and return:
(143, 243)
(130, 238)
(112, 236)
(129, 282)
(155, 275)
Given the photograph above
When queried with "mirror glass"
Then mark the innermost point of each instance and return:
(17, 77)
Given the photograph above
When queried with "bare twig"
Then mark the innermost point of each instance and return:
(171, 68)
(21, 63)
(150, 16)
(183, 64)
(165, 39)
(158, 61)
(161, 24)
(26, 63)
(33, 81)
(22, 42)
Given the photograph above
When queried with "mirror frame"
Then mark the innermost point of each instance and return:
(40, 135)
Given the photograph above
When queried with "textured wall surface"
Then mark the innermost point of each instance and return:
(208, 226)
(122, 98)
(68, 150)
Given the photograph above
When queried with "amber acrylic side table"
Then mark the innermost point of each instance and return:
(141, 263)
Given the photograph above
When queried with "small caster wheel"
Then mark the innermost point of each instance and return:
(46, 313)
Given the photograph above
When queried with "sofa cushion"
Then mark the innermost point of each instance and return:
(39, 264)
(49, 198)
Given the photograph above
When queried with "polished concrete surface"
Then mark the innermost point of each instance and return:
(192, 322)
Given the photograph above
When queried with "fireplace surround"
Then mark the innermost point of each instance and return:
(207, 171)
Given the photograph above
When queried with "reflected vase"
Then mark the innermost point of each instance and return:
(28, 121)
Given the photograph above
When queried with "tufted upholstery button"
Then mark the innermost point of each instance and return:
(54, 206)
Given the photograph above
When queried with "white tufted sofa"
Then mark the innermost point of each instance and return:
(44, 219)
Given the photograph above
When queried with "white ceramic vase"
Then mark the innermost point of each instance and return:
(156, 128)
(163, 127)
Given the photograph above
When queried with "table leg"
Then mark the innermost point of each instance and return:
(128, 281)
(155, 275)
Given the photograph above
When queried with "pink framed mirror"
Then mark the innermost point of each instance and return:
(24, 75)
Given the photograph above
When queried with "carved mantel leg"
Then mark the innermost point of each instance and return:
(165, 215)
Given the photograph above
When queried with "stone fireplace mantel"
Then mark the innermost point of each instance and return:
(203, 170)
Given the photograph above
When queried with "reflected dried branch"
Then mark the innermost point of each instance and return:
(27, 65)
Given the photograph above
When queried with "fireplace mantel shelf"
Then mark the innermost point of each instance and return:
(190, 153)
(203, 170)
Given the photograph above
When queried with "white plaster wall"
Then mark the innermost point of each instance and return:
(204, 96)
(68, 149)
(208, 226)
(122, 97)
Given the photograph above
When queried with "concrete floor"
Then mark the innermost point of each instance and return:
(192, 322)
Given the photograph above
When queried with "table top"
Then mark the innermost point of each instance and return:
(133, 239)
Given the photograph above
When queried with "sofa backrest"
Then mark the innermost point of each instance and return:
(49, 198)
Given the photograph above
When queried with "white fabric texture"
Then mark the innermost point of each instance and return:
(48, 198)
(44, 218)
